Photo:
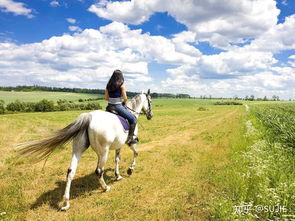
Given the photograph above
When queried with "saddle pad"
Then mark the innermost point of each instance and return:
(124, 122)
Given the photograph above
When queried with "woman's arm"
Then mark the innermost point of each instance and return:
(123, 90)
(106, 95)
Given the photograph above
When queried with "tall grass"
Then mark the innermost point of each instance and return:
(278, 123)
(259, 180)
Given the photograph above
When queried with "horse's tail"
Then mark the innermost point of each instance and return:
(43, 148)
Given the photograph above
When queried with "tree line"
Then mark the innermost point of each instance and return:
(46, 106)
(84, 90)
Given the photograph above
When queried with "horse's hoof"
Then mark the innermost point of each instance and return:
(129, 171)
(64, 208)
(107, 189)
(119, 178)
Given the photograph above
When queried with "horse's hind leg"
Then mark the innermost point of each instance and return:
(80, 144)
(117, 160)
(135, 155)
(103, 156)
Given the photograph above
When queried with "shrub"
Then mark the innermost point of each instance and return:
(16, 106)
(2, 108)
(63, 105)
(29, 106)
(227, 103)
(202, 109)
(44, 106)
(92, 106)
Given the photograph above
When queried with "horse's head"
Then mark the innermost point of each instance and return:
(147, 105)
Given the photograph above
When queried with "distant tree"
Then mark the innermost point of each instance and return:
(275, 98)
(247, 97)
(265, 98)
(252, 98)
(183, 96)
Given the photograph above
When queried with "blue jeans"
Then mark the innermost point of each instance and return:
(122, 111)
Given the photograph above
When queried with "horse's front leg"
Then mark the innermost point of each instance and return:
(117, 160)
(131, 168)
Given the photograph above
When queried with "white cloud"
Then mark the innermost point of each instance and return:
(17, 8)
(280, 37)
(54, 3)
(75, 28)
(87, 58)
(219, 21)
(250, 69)
(71, 20)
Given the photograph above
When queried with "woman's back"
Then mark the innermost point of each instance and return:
(115, 93)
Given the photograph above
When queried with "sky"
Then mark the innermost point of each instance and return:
(222, 48)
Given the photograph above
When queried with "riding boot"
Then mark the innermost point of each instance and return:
(131, 138)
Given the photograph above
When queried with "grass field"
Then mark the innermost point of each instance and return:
(35, 96)
(187, 168)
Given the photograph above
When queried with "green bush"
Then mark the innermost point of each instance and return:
(29, 106)
(44, 106)
(202, 109)
(227, 103)
(16, 106)
(2, 108)
(63, 105)
(47, 106)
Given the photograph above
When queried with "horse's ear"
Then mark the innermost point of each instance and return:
(149, 91)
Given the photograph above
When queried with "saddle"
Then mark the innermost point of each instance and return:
(123, 121)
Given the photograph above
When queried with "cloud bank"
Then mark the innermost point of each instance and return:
(247, 33)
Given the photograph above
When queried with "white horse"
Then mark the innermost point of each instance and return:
(99, 129)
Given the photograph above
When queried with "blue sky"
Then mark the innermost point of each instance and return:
(221, 48)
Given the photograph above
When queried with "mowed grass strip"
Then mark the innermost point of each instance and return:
(180, 147)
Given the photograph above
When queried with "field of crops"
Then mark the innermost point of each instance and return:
(197, 161)
(278, 121)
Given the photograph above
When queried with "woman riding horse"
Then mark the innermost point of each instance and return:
(114, 91)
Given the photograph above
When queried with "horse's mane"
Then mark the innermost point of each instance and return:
(132, 102)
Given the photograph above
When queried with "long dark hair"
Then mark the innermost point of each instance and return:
(115, 81)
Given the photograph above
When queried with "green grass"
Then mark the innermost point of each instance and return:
(196, 162)
(35, 96)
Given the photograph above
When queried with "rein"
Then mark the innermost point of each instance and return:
(134, 110)
(139, 113)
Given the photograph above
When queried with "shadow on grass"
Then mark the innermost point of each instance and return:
(79, 187)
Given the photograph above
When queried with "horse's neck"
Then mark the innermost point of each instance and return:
(135, 105)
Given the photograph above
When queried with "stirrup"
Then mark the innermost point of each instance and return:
(132, 141)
